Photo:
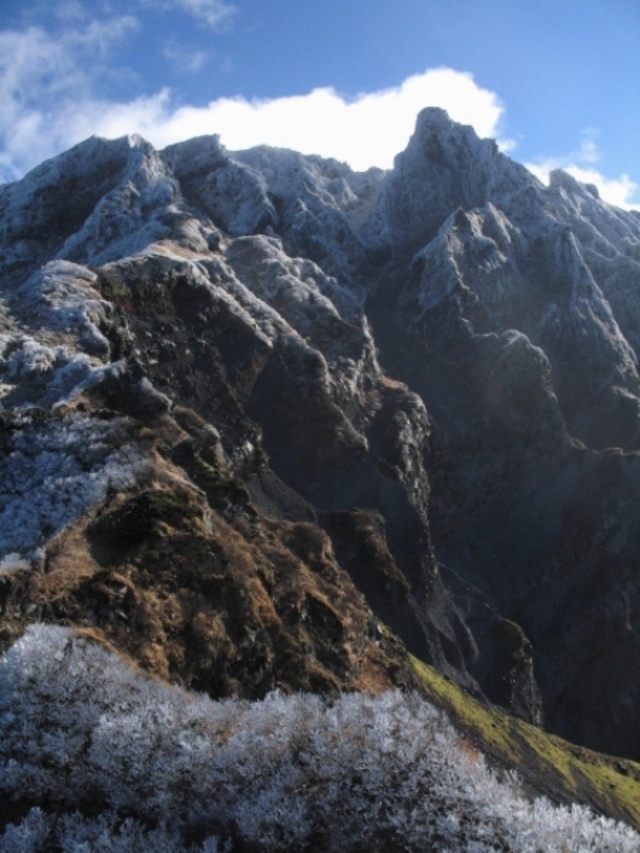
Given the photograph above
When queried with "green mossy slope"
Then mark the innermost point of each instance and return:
(550, 765)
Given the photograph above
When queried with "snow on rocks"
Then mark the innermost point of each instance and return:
(53, 469)
(52, 338)
(445, 166)
(127, 218)
(35, 214)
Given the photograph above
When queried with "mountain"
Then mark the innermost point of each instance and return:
(268, 423)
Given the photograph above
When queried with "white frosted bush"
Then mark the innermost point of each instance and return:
(54, 471)
(107, 833)
(79, 728)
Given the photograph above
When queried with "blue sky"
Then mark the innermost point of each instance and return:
(557, 82)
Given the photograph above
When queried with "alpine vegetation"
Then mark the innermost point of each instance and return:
(96, 756)
(53, 469)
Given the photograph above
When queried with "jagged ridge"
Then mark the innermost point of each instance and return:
(232, 321)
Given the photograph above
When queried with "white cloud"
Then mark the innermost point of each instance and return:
(70, 10)
(46, 82)
(215, 14)
(48, 103)
(36, 66)
(185, 59)
(366, 131)
(588, 151)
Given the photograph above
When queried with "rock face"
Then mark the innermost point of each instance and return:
(256, 407)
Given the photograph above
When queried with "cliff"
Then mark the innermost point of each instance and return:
(270, 423)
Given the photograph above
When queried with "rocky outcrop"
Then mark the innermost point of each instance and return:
(258, 409)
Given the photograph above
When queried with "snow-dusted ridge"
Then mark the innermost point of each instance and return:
(434, 368)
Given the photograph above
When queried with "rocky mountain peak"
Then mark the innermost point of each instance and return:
(444, 166)
(266, 421)
(559, 179)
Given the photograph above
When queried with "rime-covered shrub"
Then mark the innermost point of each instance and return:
(106, 833)
(82, 733)
(55, 469)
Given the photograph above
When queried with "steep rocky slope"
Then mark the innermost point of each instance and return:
(256, 407)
